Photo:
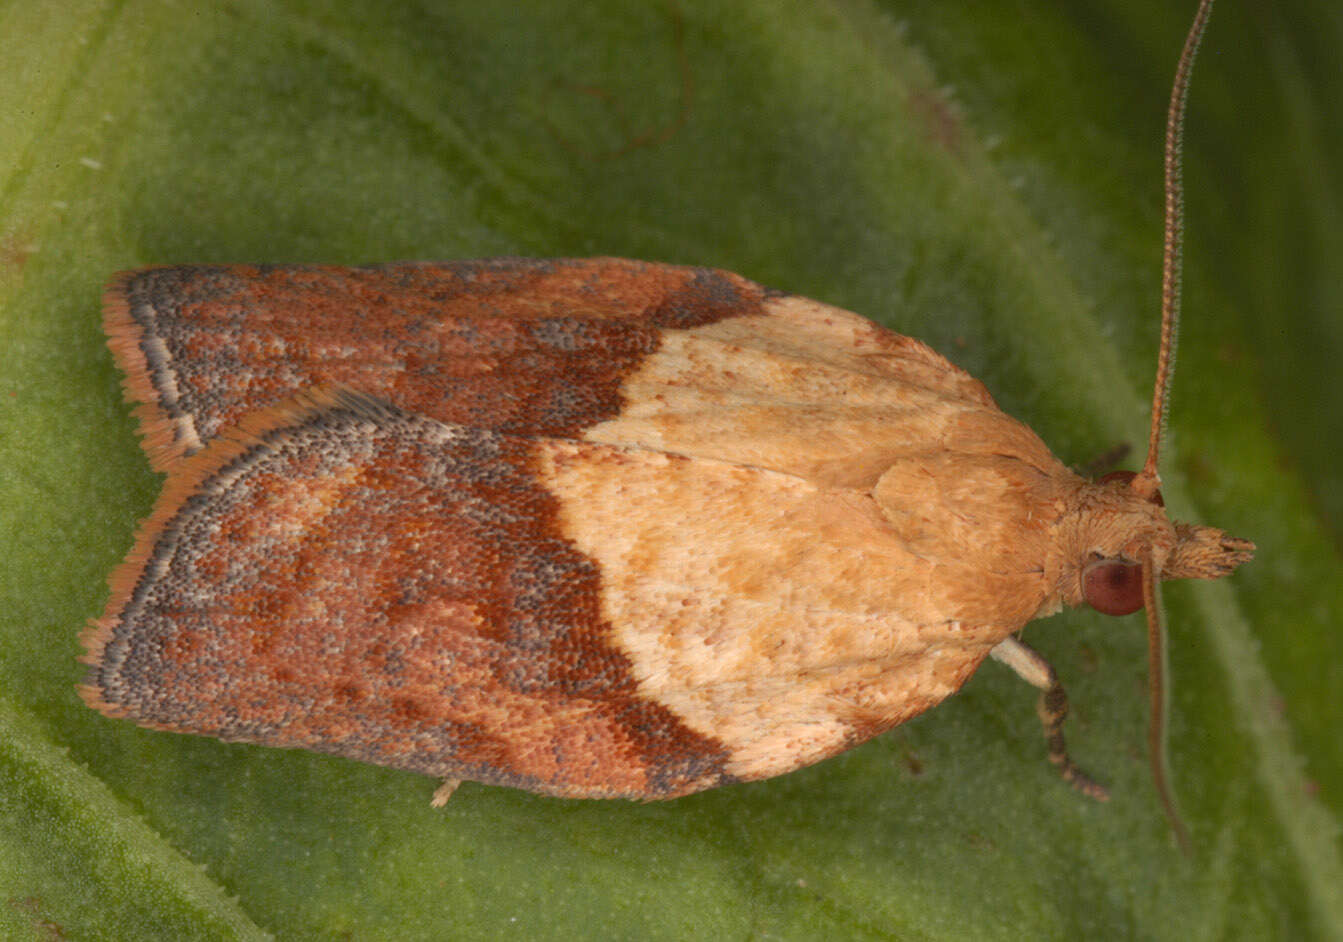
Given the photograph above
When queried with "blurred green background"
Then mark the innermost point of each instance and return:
(986, 178)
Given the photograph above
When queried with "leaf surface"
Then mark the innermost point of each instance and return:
(988, 181)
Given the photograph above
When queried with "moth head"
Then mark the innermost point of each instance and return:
(1130, 531)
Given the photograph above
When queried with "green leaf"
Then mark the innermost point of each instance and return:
(985, 179)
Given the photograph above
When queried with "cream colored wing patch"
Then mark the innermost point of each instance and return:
(805, 388)
(781, 617)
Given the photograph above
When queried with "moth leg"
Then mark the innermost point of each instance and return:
(444, 792)
(1052, 708)
(1105, 461)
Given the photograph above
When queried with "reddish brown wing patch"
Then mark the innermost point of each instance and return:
(518, 345)
(343, 577)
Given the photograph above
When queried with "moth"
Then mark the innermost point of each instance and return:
(592, 528)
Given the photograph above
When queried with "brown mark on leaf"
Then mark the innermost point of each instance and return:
(979, 841)
(15, 250)
(940, 122)
(1088, 658)
(632, 137)
(43, 928)
(1198, 469)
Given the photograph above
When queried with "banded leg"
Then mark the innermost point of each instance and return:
(1052, 709)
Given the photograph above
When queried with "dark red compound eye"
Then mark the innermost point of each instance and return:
(1127, 478)
(1112, 586)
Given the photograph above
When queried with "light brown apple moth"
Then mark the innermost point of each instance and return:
(592, 528)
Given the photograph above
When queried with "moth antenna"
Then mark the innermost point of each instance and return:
(1149, 479)
(1156, 680)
